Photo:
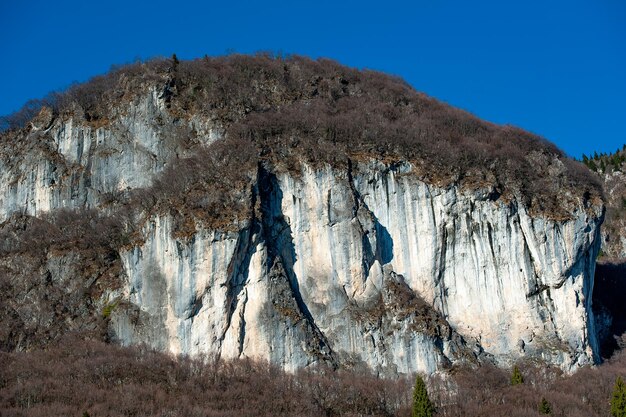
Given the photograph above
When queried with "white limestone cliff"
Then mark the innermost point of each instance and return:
(358, 265)
(507, 283)
(75, 164)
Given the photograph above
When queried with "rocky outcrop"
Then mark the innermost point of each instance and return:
(368, 265)
(76, 164)
(352, 260)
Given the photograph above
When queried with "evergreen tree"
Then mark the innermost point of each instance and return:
(544, 407)
(175, 63)
(618, 402)
(517, 377)
(422, 407)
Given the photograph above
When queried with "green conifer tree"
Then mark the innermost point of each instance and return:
(175, 63)
(422, 407)
(544, 407)
(618, 402)
(586, 160)
(516, 377)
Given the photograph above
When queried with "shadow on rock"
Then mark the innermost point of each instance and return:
(609, 306)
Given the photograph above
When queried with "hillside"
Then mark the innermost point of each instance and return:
(610, 281)
(610, 168)
(294, 211)
(294, 110)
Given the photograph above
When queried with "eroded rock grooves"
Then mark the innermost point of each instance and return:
(241, 249)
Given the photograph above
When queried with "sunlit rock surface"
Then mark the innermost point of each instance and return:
(310, 277)
(350, 266)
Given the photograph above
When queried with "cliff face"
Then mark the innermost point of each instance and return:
(333, 263)
(358, 263)
(73, 164)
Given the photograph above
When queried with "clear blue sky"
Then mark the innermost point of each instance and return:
(554, 67)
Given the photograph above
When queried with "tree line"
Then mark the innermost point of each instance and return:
(606, 162)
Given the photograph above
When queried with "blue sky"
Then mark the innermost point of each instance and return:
(556, 68)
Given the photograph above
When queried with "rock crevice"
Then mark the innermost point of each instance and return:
(407, 277)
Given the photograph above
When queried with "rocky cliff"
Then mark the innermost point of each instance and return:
(294, 217)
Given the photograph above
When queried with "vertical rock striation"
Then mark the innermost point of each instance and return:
(76, 164)
(368, 265)
(355, 263)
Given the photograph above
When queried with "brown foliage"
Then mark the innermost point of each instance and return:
(611, 168)
(319, 111)
(77, 375)
(92, 98)
(213, 186)
(53, 271)
(486, 391)
(290, 109)
(61, 230)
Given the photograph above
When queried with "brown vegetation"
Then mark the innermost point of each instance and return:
(487, 391)
(279, 112)
(77, 375)
(214, 187)
(53, 274)
(293, 109)
(610, 282)
(93, 98)
(60, 230)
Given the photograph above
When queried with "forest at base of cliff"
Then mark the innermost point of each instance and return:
(78, 376)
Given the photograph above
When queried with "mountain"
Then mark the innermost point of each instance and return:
(296, 211)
